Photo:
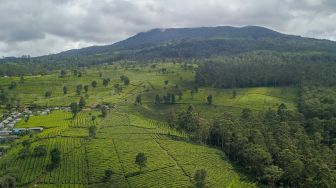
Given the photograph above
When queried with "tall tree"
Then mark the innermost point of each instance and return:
(65, 90)
(92, 131)
(86, 88)
(138, 99)
(94, 83)
(63, 73)
(106, 82)
(47, 94)
(74, 109)
(209, 99)
(157, 99)
(141, 160)
(79, 89)
(81, 103)
(200, 178)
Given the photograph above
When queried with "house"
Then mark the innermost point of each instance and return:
(11, 125)
(5, 132)
(5, 122)
(36, 129)
(2, 125)
(18, 130)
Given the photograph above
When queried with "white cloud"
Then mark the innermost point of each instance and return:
(38, 27)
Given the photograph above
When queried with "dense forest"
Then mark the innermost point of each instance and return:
(267, 69)
(273, 146)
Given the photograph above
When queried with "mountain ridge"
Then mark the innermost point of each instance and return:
(163, 36)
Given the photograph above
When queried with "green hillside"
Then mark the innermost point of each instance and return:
(173, 155)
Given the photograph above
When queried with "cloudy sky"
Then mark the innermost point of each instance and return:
(38, 27)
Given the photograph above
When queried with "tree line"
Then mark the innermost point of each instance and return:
(252, 70)
(273, 146)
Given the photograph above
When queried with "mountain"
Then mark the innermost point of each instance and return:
(206, 42)
(184, 43)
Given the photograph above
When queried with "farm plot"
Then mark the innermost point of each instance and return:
(192, 157)
(116, 148)
(72, 169)
(102, 156)
(73, 166)
(56, 118)
(84, 119)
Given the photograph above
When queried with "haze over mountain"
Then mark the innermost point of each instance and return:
(207, 41)
(37, 28)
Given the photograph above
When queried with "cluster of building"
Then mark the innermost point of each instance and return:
(7, 125)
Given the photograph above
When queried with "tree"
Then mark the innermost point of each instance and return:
(21, 79)
(75, 72)
(234, 94)
(179, 94)
(93, 118)
(12, 85)
(157, 99)
(65, 90)
(199, 177)
(209, 99)
(272, 174)
(26, 143)
(117, 88)
(79, 89)
(74, 109)
(92, 131)
(86, 88)
(172, 118)
(81, 103)
(189, 121)
(7, 181)
(125, 79)
(55, 158)
(141, 160)
(282, 111)
(196, 89)
(166, 82)
(291, 164)
(246, 114)
(138, 99)
(108, 174)
(24, 152)
(192, 93)
(40, 151)
(94, 83)
(104, 111)
(47, 94)
(26, 118)
(255, 158)
(63, 73)
(173, 100)
(105, 82)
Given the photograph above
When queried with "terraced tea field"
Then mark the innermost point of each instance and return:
(128, 129)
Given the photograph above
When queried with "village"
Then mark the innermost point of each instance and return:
(7, 126)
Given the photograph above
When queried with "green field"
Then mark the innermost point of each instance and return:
(129, 129)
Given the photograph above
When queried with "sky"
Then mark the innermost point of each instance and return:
(40, 27)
